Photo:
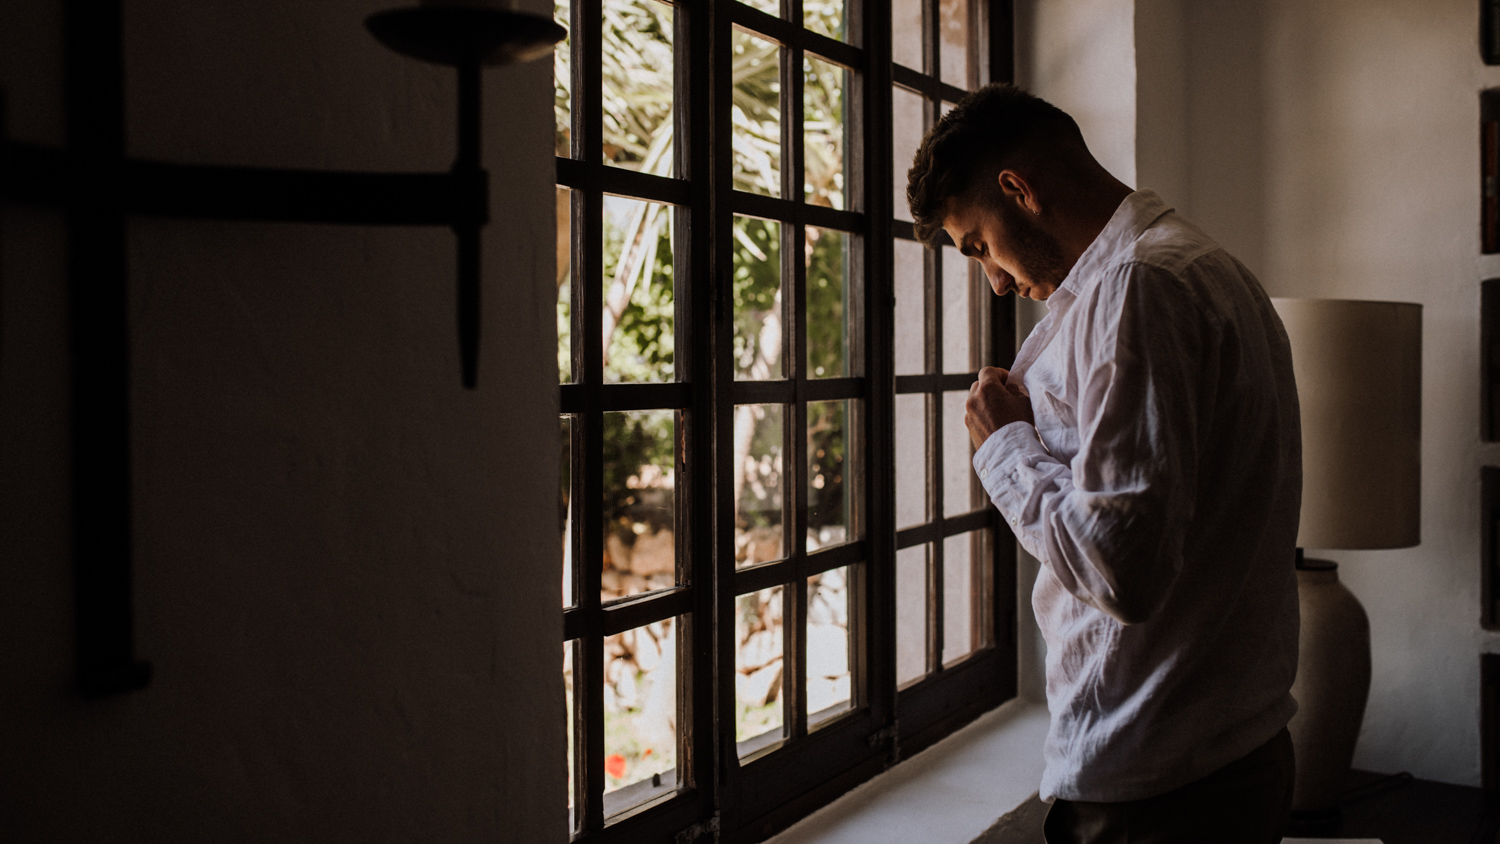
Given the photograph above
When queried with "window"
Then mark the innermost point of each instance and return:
(780, 574)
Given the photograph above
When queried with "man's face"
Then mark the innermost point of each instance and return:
(1014, 251)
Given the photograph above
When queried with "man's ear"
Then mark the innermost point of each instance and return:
(1015, 188)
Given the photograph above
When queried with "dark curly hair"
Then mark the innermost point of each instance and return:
(997, 126)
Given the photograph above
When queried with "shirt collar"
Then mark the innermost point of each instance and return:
(1136, 214)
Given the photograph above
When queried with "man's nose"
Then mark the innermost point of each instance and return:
(996, 277)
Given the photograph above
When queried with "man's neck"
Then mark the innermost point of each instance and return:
(1092, 209)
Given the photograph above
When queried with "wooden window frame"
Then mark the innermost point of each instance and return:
(719, 795)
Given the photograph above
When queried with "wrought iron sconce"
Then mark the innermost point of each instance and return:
(97, 188)
(466, 37)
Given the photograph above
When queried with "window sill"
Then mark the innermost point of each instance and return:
(948, 794)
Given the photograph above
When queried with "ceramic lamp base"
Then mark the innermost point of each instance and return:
(1332, 687)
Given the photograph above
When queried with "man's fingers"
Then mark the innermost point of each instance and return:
(997, 382)
(1014, 386)
(993, 374)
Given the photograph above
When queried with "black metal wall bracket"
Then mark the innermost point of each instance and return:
(467, 38)
(97, 187)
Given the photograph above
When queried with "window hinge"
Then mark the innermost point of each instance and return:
(705, 831)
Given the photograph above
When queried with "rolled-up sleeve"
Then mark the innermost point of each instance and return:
(1111, 525)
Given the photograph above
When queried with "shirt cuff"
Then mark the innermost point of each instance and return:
(998, 463)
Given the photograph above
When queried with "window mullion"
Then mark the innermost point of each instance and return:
(693, 129)
(794, 275)
(871, 191)
(932, 290)
(715, 169)
(588, 299)
(932, 21)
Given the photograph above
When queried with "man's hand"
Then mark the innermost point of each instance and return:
(995, 402)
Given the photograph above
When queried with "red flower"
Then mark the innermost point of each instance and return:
(614, 765)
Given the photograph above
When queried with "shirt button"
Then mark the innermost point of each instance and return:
(984, 473)
(1012, 521)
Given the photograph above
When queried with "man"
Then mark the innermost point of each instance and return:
(1145, 448)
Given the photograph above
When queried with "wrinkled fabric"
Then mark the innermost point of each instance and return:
(1160, 489)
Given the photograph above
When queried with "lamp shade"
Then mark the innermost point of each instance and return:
(1359, 381)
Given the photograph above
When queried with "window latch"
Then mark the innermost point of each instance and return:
(705, 831)
(885, 734)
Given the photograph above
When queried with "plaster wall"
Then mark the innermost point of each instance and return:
(1080, 56)
(1333, 148)
(341, 580)
(1371, 191)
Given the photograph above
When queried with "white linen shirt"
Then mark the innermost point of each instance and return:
(1160, 488)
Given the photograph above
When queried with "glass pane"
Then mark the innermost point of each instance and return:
(827, 469)
(638, 71)
(562, 81)
(958, 457)
(638, 309)
(564, 286)
(758, 478)
(755, 110)
(564, 508)
(825, 17)
(827, 303)
(757, 665)
(640, 712)
(770, 7)
(639, 503)
(957, 356)
(828, 678)
(958, 568)
(911, 614)
(823, 89)
(911, 343)
(568, 648)
(954, 35)
(757, 298)
(907, 128)
(911, 460)
(906, 33)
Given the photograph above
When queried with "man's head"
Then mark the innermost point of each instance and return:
(1008, 176)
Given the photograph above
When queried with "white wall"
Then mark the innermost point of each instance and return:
(1371, 191)
(342, 586)
(1080, 56)
(1333, 148)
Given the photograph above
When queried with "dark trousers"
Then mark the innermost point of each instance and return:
(1245, 802)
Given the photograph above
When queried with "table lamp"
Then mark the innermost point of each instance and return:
(1359, 381)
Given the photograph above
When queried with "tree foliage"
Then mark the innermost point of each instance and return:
(639, 277)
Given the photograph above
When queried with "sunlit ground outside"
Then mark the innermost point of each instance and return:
(828, 678)
(640, 706)
(758, 663)
(568, 648)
